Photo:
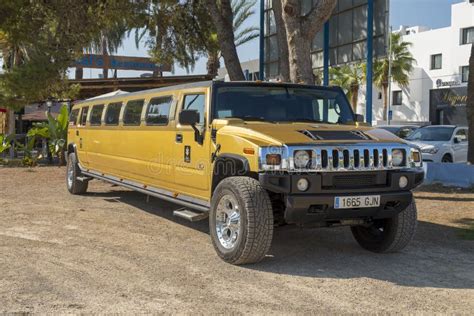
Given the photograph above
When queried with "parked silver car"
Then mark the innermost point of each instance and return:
(441, 143)
(401, 131)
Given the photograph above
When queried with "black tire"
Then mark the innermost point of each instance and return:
(255, 220)
(389, 234)
(74, 185)
(447, 158)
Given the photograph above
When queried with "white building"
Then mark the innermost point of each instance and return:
(437, 92)
(250, 69)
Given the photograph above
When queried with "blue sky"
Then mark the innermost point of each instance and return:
(430, 13)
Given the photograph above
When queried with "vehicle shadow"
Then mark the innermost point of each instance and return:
(435, 258)
(150, 205)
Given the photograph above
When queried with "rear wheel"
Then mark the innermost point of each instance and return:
(74, 185)
(447, 158)
(241, 220)
(389, 234)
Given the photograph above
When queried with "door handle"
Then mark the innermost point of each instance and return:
(77, 133)
(179, 138)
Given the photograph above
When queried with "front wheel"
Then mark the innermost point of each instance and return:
(74, 185)
(447, 159)
(389, 234)
(241, 220)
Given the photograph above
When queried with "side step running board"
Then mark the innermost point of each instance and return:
(189, 215)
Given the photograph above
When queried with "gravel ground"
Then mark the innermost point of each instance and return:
(112, 251)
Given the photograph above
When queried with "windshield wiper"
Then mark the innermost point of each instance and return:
(251, 118)
(307, 120)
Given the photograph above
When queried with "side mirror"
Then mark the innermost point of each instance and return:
(189, 117)
(359, 118)
(456, 140)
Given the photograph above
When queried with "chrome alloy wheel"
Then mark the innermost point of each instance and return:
(228, 221)
(70, 174)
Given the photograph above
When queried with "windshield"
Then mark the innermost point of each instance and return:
(432, 134)
(282, 104)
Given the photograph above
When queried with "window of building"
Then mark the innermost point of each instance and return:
(112, 113)
(397, 98)
(465, 73)
(467, 36)
(73, 117)
(196, 102)
(96, 114)
(133, 112)
(158, 111)
(436, 61)
(84, 112)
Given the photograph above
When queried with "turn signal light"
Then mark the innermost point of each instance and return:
(273, 159)
(416, 156)
(249, 151)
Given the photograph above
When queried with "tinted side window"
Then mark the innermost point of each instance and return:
(84, 115)
(112, 113)
(158, 111)
(196, 102)
(96, 114)
(73, 117)
(462, 135)
(133, 112)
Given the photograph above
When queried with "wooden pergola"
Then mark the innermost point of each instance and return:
(94, 87)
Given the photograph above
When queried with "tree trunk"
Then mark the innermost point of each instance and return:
(11, 129)
(470, 108)
(79, 73)
(105, 55)
(299, 47)
(213, 64)
(354, 97)
(282, 41)
(222, 17)
(385, 102)
(301, 31)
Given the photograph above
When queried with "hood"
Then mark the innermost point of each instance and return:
(427, 144)
(277, 134)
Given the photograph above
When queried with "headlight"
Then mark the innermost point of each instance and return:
(302, 158)
(273, 159)
(397, 157)
(430, 150)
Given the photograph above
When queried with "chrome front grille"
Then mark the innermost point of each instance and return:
(351, 157)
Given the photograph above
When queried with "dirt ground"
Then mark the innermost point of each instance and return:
(112, 251)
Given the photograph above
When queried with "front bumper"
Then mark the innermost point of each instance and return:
(317, 203)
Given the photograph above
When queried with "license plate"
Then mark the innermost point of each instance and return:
(363, 201)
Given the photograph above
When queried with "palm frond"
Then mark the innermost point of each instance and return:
(242, 10)
(246, 35)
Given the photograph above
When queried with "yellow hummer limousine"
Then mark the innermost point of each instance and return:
(251, 156)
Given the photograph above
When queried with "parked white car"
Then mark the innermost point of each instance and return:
(441, 143)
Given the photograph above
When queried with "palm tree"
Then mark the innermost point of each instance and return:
(349, 78)
(242, 10)
(402, 65)
(108, 42)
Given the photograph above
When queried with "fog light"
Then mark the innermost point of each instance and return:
(403, 182)
(302, 184)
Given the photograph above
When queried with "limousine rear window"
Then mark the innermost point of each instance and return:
(158, 111)
(84, 115)
(96, 114)
(133, 112)
(73, 117)
(112, 113)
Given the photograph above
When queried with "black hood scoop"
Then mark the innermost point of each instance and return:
(335, 135)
